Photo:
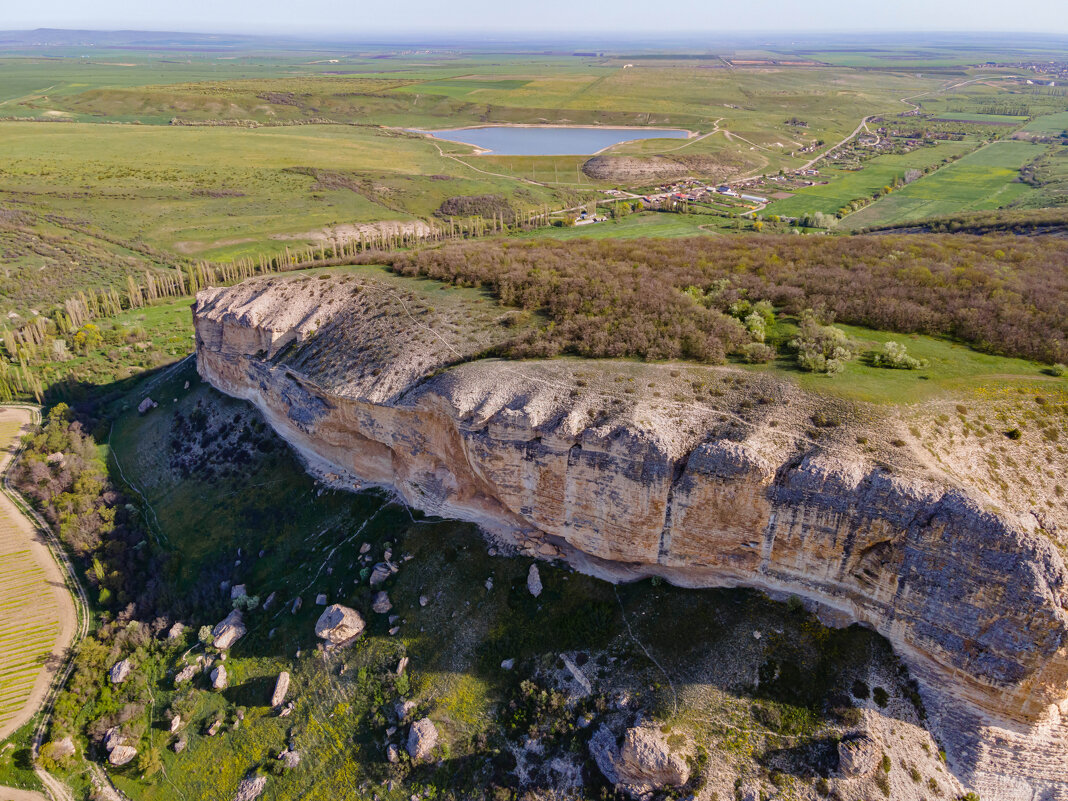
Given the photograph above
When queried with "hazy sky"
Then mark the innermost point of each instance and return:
(351, 18)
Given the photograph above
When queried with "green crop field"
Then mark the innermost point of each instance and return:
(845, 185)
(985, 179)
(29, 615)
(1050, 124)
(995, 119)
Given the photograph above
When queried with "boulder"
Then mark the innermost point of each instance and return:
(229, 630)
(122, 754)
(380, 573)
(297, 603)
(534, 581)
(218, 678)
(382, 604)
(320, 599)
(113, 738)
(145, 405)
(404, 709)
(646, 762)
(176, 723)
(270, 601)
(176, 631)
(402, 665)
(859, 756)
(251, 788)
(289, 758)
(179, 745)
(393, 753)
(339, 624)
(185, 674)
(422, 739)
(281, 687)
(238, 591)
(120, 670)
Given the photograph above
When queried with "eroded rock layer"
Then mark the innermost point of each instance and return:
(568, 459)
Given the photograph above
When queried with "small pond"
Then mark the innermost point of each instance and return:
(550, 140)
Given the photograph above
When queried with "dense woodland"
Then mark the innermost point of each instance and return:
(678, 298)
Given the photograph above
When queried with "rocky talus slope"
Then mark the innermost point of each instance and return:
(705, 476)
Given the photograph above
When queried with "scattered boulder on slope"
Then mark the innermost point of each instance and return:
(229, 630)
(120, 670)
(218, 678)
(422, 739)
(859, 756)
(382, 604)
(534, 581)
(646, 762)
(338, 624)
(281, 687)
(185, 674)
(251, 788)
(122, 754)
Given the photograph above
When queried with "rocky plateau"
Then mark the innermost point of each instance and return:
(705, 476)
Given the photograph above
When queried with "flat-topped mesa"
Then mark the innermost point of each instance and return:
(723, 490)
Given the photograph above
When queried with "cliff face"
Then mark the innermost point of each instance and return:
(566, 459)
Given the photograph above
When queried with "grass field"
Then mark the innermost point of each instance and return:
(221, 192)
(29, 612)
(994, 119)
(1051, 124)
(985, 179)
(952, 368)
(654, 224)
(845, 185)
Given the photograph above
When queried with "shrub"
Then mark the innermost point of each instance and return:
(895, 356)
(821, 348)
(758, 353)
(1055, 370)
(881, 696)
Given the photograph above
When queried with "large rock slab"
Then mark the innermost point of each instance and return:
(122, 755)
(228, 631)
(859, 756)
(644, 763)
(281, 687)
(339, 624)
(422, 739)
(120, 670)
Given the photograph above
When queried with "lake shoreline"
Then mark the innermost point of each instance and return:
(480, 150)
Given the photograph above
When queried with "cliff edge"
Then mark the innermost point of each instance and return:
(705, 476)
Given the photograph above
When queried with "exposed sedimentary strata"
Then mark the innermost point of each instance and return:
(975, 600)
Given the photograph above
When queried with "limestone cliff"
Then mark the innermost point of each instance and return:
(705, 476)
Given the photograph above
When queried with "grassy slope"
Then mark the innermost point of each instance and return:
(981, 180)
(218, 192)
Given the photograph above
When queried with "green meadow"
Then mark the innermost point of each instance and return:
(985, 179)
(845, 185)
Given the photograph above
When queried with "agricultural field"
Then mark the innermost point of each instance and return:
(36, 613)
(845, 185)
(985, 179)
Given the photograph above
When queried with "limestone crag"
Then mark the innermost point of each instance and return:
(974, 598)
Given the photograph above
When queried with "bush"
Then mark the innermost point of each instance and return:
(1055, 370)
(758, 353)
(895, 356)
(821, 348)
(881, 696)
